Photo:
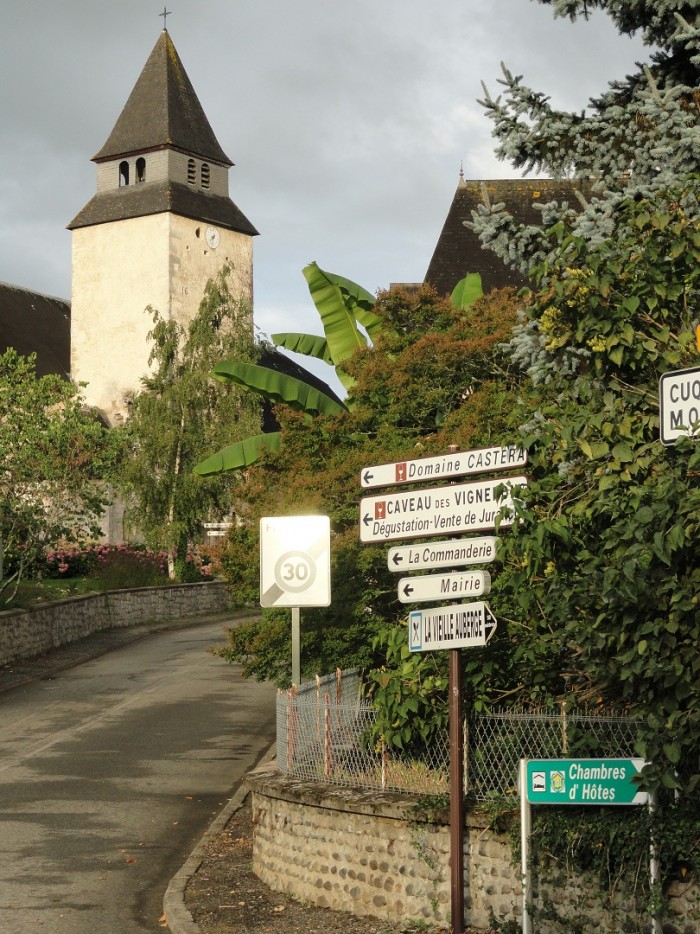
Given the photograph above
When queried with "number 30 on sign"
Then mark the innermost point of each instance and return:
(295, 561)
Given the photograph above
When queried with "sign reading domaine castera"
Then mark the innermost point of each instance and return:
(444, 466)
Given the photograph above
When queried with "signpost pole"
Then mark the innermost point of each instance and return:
(296, 645)
(654, 868)
(525, 830)
(456, 794)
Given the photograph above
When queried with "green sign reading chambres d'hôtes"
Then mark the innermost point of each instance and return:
(584, 781)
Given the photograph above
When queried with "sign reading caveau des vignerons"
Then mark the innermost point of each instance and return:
(456, 509)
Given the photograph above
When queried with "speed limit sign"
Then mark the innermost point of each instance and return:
(295, 561)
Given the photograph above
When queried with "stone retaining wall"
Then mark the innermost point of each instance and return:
(361, 851)
(365, 852)
(28, 633)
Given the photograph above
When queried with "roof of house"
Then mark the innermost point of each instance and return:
(155, 198)
(459, 250)
(34, 323)
(163, 110)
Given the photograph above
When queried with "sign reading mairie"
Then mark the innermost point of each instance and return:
(507, 457)
(444, 586)
(458, 509)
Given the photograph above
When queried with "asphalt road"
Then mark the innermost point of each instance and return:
(109, 774)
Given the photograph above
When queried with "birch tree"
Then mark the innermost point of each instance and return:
(179, 416)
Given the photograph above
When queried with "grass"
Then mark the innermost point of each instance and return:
(31, 593)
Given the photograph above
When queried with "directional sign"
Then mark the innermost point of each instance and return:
(444, 586)
(444, 466)
(584, 781)
(450, 627)
(465, 507)
(450, 554)
(295, 565)
(679, 404)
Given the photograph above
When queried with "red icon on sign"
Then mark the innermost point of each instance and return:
(380, 510)
(400, 473)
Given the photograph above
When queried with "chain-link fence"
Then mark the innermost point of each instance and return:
(499, 739)
(324, 730)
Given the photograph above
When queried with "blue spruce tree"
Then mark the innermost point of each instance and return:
(638, 138)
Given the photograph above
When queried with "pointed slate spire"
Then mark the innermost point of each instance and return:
(163, 111)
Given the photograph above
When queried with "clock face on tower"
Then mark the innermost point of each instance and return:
(213, 237)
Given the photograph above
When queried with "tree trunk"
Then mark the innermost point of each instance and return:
(172, 551)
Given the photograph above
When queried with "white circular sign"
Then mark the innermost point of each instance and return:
(295, 571)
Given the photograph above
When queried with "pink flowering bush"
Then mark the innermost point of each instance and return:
(119, 566)
(86, 560)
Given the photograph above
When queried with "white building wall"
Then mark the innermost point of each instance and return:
(122, 267)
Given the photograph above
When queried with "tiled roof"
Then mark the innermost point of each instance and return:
(163, 110)
(459, 250)
(34, 323)
(140, 200)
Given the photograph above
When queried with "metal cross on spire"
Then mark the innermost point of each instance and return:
(166, 12)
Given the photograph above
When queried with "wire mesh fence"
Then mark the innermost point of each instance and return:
(325, 733)
(499, 739)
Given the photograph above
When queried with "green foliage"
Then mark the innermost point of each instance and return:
(238, 455)
(318, 465)
(601, 579)
(467, 290)
(54, 461)
(610, 846)
(277, 387)
(635, 139)
(179, 416)
(126, 568)
(340, 634)
(343, 307)
(410, 694)
(309, 345)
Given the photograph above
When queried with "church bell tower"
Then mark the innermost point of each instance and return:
(160, 225)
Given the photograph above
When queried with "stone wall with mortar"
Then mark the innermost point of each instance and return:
(361, 851)
(28, 633)
(364, 852)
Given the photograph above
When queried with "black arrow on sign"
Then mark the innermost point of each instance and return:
(397, 559)
(366, 519)
(367, 477)
(408, 590)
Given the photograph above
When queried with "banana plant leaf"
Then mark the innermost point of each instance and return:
(278, 387)
(357, 293)
(467, 290)
(363, 302)
(337, 313)
(308, 344)
(239, 455)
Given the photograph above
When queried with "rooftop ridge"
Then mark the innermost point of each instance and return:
(13, 287)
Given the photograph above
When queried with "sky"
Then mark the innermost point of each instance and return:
(347, 122)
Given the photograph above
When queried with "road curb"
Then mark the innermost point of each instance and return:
(177, 916)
